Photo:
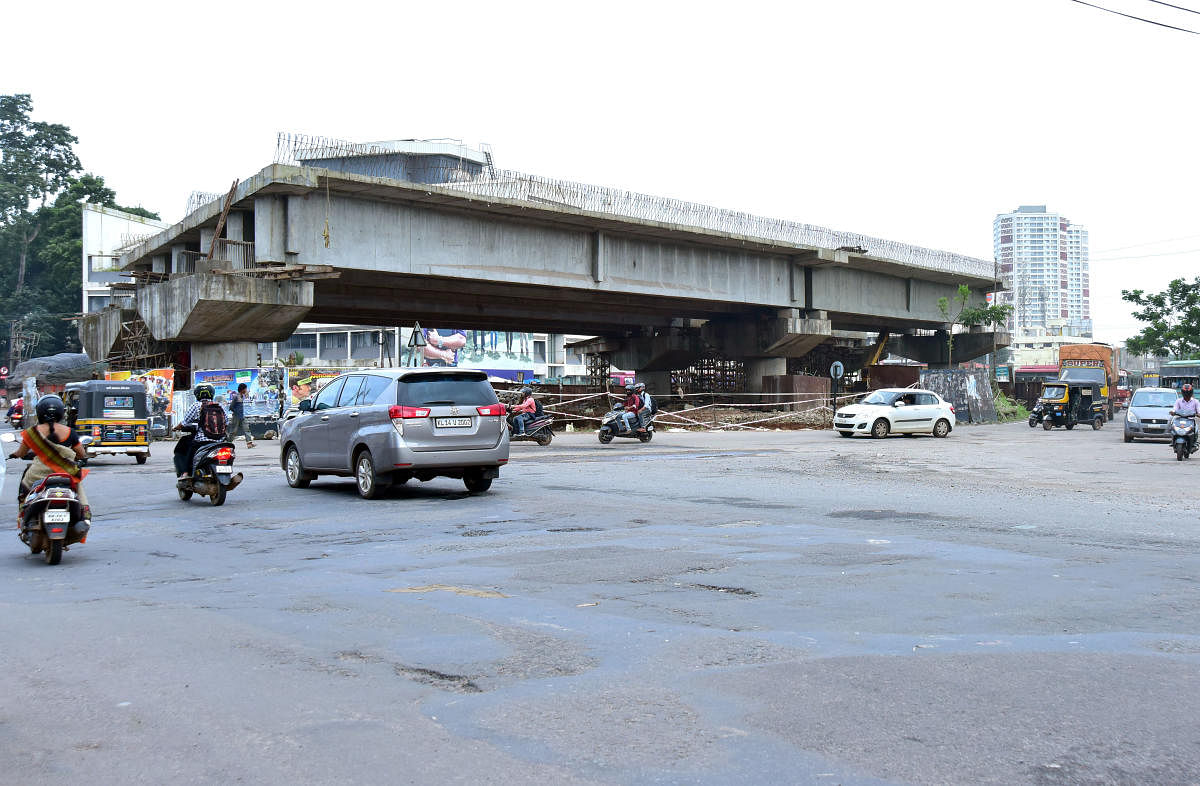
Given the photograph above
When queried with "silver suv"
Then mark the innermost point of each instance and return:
(387, 426)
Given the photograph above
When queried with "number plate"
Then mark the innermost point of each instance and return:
(452, 422)
(223, 470)
(57, 517)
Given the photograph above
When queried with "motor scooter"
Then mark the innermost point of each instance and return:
(212, 471)
(612, 425)
(537, 430)
(1037, 415)
(50, 518)
(1183, 436)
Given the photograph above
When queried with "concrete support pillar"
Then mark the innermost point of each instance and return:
(658, 383)
(178, 262)
(233, 354)
(757, 368)
(270, 229)
(206, 238)
(233, 225)
(160, 263)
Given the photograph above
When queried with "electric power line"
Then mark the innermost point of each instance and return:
(1138, 18)
(1147, 243)
(1172, 5)
(1144, 256)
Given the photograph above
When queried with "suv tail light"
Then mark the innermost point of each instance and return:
(491, 409)
(404, 413)
(401, 414)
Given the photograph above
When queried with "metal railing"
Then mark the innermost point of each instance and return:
(237, 256)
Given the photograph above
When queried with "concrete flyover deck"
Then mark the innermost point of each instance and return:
(475, 255)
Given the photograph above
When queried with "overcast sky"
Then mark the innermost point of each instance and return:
(914, 120)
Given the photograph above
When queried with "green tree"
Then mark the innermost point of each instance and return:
(41, 226)
(1172, 317)
(956, 312)
(36, 162)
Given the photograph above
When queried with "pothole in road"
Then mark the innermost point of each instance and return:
(876, 515)
(574, 529)
(455, 682)
(478, 533)
(730, 590)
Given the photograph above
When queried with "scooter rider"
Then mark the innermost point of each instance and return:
(56, 449)
(647, 406)
(633, 406)
(1187, 407)
(524, 412)
(185, 448)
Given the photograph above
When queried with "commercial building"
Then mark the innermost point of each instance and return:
(105, 230)
(1043, 260)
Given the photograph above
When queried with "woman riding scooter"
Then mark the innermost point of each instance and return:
(56, 450)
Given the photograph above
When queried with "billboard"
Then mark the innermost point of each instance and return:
(262, 394)
(502, 354)
(159, 383)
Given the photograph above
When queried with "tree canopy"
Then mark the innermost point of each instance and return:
(41, 227)
(1172, 317)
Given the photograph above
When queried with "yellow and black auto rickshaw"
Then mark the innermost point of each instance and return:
(1066, 404)
(114, 414)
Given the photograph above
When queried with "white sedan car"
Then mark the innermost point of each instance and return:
(899, 410)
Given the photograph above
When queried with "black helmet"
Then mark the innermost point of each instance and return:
(1186, 390)
(50, 409)
(204, 392)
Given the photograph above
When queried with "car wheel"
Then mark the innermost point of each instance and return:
(880, 429)
(476, 482)
(369, 485)
(297, 478)
(1128, 439)
(941, 428)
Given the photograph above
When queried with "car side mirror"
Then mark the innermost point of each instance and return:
(898, 404)
(306, 406)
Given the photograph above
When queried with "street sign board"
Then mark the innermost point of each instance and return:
(837, 369)
(417, 338)
(3, 371)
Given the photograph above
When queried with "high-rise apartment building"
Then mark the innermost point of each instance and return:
(1043, 261)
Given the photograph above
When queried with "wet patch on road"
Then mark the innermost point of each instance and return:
(575, 529)
(478, 533)
(880, 515)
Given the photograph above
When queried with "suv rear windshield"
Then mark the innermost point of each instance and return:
(445, 390)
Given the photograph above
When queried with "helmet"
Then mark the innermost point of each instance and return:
(204, 392)
(1186, 390)
(526, 391)
(50, 409)
(639, 387)
(631, 386)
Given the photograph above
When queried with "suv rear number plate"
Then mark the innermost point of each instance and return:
(452, 422)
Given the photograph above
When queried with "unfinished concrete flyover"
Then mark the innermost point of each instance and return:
(660, 281)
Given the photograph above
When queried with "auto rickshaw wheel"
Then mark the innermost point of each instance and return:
(1070, 426)
(1047, 424)
(140, 458)
(1098, 423)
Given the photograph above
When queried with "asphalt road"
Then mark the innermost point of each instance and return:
(1003, 606)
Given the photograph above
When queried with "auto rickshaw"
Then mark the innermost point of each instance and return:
(1066, 404)
(114, 414)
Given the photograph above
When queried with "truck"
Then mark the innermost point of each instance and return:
(1091, 363)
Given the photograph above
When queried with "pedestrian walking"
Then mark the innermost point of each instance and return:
(237, 416)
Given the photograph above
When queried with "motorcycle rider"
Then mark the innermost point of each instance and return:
(1187, 407)
(56, 449)
(185, 448)
(524, 412)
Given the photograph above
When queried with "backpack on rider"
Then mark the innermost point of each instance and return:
(212, 420)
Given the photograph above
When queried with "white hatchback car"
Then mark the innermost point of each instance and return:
(899, 410)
